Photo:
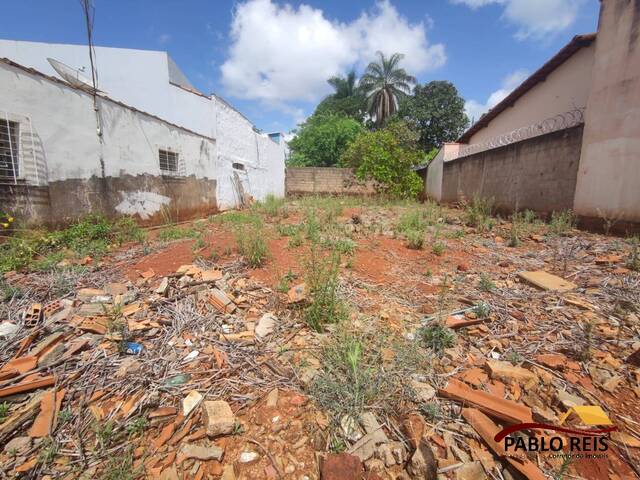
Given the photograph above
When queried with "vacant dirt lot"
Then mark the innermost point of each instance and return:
(335, 338)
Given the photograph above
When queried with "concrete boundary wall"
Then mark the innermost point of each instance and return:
(538, 173)
(325, 180)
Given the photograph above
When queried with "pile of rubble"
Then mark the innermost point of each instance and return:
(205, 372)
(132, 376)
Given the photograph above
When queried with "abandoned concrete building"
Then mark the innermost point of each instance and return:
(147, 143)
(567, 138)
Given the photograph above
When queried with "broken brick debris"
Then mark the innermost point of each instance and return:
(547, 281)
(501, 408)
(488, 430)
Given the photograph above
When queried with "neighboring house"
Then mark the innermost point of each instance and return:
(567, 138)
(154, 147)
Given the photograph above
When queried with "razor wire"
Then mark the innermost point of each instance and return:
(558, 122)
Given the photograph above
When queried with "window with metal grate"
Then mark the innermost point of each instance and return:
(168, 161)
(9, 146)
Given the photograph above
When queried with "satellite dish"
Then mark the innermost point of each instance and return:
(72, 75)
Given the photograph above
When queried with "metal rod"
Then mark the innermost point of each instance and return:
(13, 164)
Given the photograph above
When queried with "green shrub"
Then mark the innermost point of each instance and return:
(478, 214)
(438, 248)
(415, 220)
(415, 239)
(385, 157)
(485, 284)
(321, 140)
(561, 222)
(252, 245)
(325, 307)
(482, 310)
(288, 230)
(437, 337)
(271, 206)
(91, 235)
(177, 233)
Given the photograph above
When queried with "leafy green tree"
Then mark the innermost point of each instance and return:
(387, 156)
(322, 139)
(437, 111)
(348, 99)
(344, 86)
(385, 83)
(354, 107)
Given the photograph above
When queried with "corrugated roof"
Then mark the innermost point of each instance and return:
(576, 43)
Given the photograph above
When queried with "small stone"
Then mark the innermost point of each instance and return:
(248, 457)
(8, 329)
(424, 391)
(463, 267)
(423, 464)
(569, 400)
(266, 325)
(297, 293)
(341, 466)
(228, 473)
(17, 444)
(163, 287)
(471, 471)
(190, 402)
(506, 371)
(272, 398)
(200, 452)
(552, 360)
(116, 289)
(218, 418)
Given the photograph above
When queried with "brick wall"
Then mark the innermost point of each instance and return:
(538, 173)
(325, 180)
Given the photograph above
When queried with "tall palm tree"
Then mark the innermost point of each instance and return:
(344, 86)
(384, 83)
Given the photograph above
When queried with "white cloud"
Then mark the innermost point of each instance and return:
(280, 53)
(534, 18)
(164, 38)
(475, 109)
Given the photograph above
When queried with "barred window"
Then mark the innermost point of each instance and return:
(9, 150)
(238, 166)
(168, 161)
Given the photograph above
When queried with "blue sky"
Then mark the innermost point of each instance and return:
(271, 58)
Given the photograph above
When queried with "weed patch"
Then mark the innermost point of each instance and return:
(354, 375)
(485, 283)
(415, 239)
(325, 306)
(92, 235)
(561, 222)
(437, 337)
(478, 214)
(271, 206)
(252, 245)
(177, 233)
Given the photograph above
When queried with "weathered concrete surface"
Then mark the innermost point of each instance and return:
(325, 180)
(608, 183)
(537, 174)
(30, 199)
(148, 198)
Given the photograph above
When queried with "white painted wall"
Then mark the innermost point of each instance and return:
(262, 158)
(436, 167)
(565, 89)
(64, 128)
(140, 78)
